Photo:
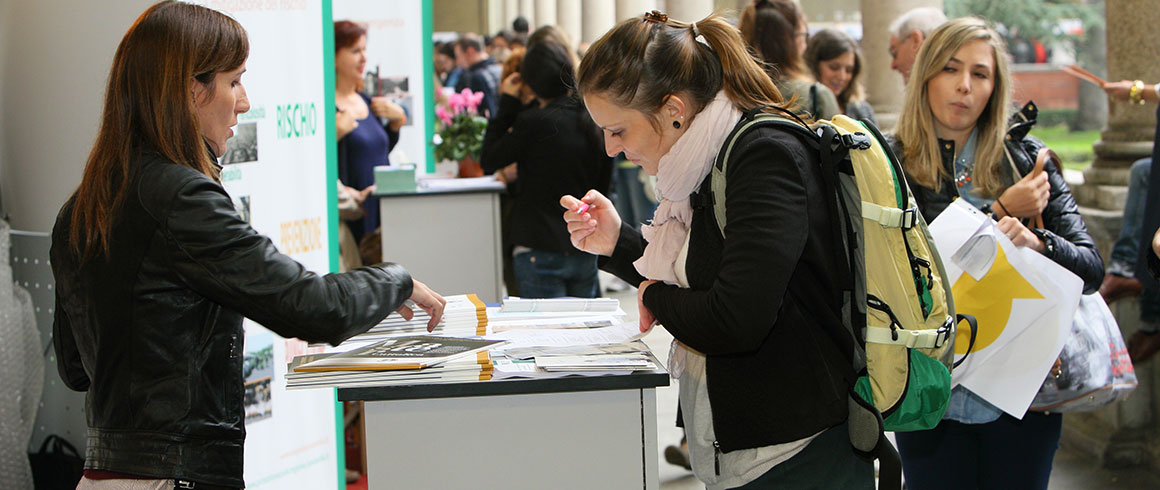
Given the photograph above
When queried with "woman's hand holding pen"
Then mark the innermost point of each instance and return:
(593, 222)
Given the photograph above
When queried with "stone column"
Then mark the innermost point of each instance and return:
(545, 13)
(884, 86)
(633, 8)
(496, 20)
(1128, 136)
(599, 17)
(528, 10)
(511, 10)
(1120, 435)
(689, 10)
(568, 14)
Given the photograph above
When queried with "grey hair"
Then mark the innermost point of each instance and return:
(922, 19)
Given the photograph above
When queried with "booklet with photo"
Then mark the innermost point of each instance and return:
(405, 352)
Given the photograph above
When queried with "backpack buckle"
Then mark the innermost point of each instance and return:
(909, 218)
(945, 332)
(855, 141)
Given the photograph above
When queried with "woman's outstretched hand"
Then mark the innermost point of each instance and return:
(428, 300)
(593, 223)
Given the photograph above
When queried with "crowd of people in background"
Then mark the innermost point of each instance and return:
(600, 128)
(155, 269)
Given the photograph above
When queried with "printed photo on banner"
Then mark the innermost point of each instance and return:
(394, 88)
(258, 371)
(243, 147)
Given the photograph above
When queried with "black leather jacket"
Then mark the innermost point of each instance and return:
(154, 331)
(1066, 237)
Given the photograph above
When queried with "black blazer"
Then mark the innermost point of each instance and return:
(764, 304)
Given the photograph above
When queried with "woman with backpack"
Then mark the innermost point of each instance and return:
(761, 352)
(954, 140)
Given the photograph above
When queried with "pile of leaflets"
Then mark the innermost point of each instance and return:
(538, 338)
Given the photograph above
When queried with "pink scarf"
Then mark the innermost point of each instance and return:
(679, 173)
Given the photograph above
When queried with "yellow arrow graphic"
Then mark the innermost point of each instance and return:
(989, 301)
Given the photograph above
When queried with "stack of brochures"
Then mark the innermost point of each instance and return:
(536, 338)
(463, 316)
(397, 359)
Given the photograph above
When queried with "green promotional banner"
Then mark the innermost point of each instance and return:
(278, 169)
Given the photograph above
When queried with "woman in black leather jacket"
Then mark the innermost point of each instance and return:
(155, 270)
(955, 141)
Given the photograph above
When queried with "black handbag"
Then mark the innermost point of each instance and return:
(57, 466)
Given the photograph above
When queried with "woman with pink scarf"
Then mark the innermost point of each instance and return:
(760, 350)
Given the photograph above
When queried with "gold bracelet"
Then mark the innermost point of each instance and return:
(1136, 93)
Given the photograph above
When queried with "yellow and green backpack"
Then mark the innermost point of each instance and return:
(898, 306)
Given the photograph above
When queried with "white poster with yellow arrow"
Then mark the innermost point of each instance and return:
(1023, 301)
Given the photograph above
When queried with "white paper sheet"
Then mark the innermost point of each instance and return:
(1008, 370)
(616, 334)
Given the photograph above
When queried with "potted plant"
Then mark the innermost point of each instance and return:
(459, 131)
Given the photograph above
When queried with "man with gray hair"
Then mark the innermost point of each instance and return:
(907, 33)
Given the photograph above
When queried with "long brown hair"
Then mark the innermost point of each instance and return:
(149, 107)
(916, 123)
(770, 28)
(643, 60)
(828, 44)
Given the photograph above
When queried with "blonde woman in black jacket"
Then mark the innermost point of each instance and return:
(954, 139)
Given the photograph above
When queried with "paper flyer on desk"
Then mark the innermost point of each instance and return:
(1023, 301)
(616, 334)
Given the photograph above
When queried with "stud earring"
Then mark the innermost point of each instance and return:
(676, 124)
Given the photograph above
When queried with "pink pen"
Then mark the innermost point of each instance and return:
(582, 208)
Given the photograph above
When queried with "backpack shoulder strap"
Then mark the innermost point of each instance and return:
(750, 119)
(814, 101)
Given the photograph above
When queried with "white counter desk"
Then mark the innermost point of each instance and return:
(447, 237)
(562, 433)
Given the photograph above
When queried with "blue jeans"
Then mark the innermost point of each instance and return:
(1127, 246)
(1126, 250)
(1006, 453)
(629, 198)
(543, 274)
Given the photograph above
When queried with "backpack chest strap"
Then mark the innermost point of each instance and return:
(914, 339)
(889, 217)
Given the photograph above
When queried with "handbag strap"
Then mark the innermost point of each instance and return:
(60, 445)
(1042, 158)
